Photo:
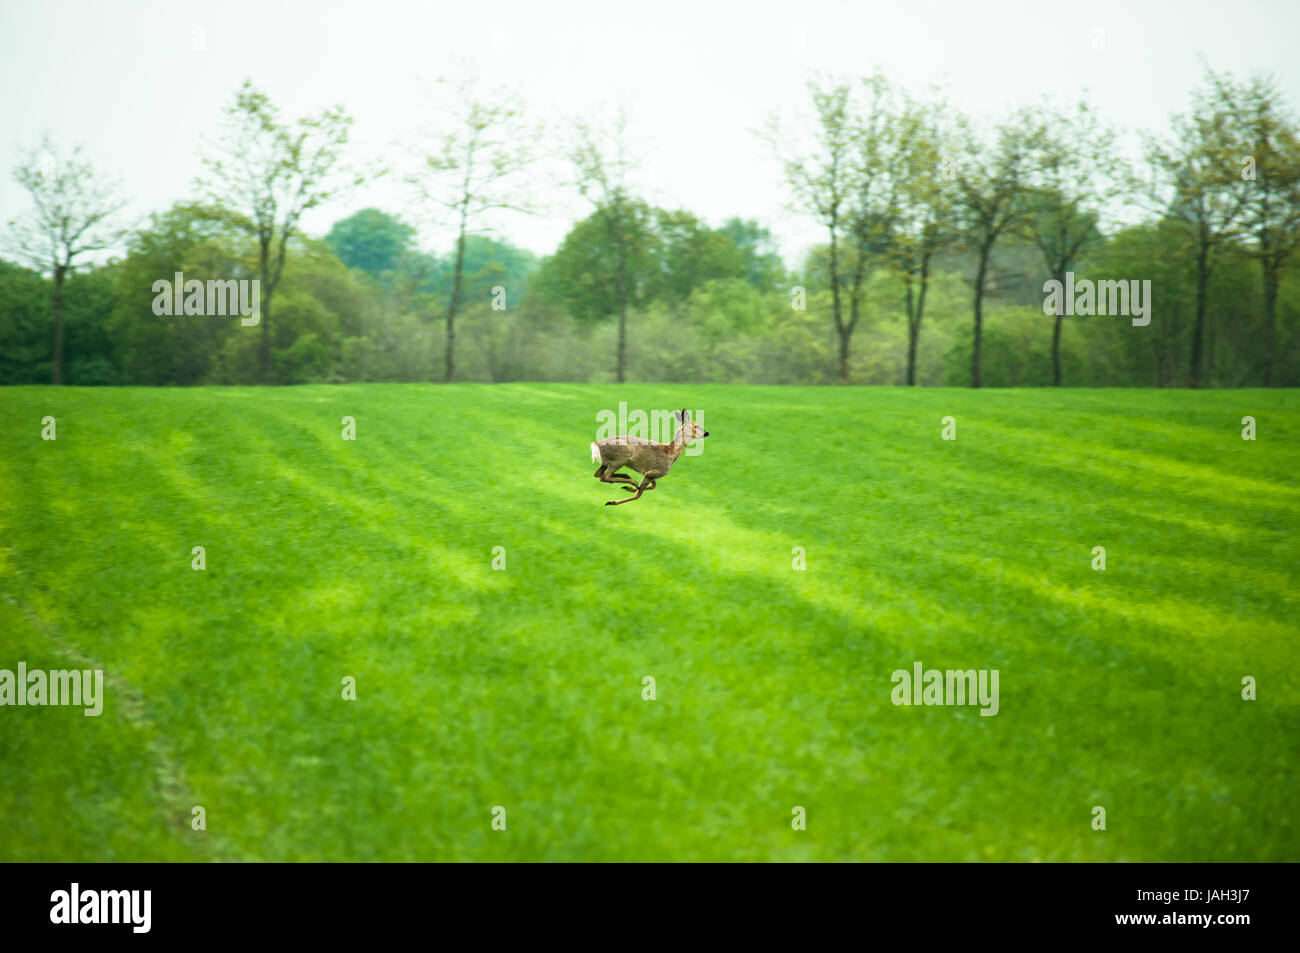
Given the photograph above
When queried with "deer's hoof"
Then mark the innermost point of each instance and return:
(611, 502)
(630, 489)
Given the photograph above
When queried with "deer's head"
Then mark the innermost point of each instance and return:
(689, 429)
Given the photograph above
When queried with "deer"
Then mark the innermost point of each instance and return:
(652, 460)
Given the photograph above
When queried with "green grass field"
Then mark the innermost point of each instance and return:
(522, 688)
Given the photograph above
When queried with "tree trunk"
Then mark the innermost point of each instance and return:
(451, 305)
(855, 309)
(1056, 333)
(1056, 352)
(622, 337)
(914, 331)
(979, 315)
(1198, 329)
(846, 334)
(264, 346)
(1270, 319)
(835, 302)
(264, 350)
(622, 313)
(57, 374)
(912, 328)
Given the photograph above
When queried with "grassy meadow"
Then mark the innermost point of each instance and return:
(522, 688)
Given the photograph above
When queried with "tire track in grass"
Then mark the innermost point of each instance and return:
(174, 795)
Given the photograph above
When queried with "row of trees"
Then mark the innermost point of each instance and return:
(895, 181)
(917, 201)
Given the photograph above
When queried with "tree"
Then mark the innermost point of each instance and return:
(1153, 250)
(470, 165)
(24, 325)
(265, 174)
(876, 195)
(591, 276)
(488, 263)
(1195, 183)
(152, 349)
(370, 240)
(924, 223)
(75, 212)
(851, 182)
(1271, 170)
(687, 254)
(821, 179)
(599, 153)
(991, 180)
(763, 267)
(1075, 173)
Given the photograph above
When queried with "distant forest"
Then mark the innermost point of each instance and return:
(940, 235)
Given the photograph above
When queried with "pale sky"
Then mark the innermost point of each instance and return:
(139, 83)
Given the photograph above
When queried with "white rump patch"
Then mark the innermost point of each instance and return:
(595, 452)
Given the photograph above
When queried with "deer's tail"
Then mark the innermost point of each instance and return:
(595, 452)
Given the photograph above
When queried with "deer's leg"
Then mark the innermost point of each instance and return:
(614, 477)
(639, 490)
(650, 480)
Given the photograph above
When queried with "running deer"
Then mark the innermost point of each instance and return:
(653, 460)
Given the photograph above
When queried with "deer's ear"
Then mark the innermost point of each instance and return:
(678, 415)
